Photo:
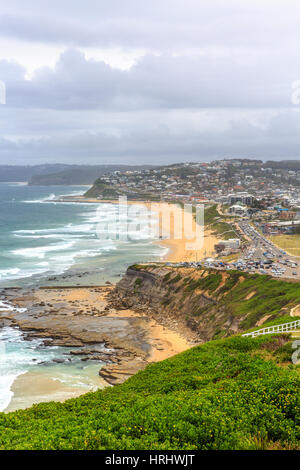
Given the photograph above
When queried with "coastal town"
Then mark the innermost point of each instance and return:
(233, 182)
(251, 207)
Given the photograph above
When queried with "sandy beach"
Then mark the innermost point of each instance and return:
(176, 241)
(179, 248)
(163, 341)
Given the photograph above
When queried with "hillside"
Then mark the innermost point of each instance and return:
(102, 190)
(18, 173)
(59, 174)
(226, 394)
(283, 164)
(79, 174)
(211, 304)
(99, 189)
(218, 223)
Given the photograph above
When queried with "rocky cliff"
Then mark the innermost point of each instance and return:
(205, 304)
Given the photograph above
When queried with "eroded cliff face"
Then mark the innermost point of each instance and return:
(180, 298)
(205, 304)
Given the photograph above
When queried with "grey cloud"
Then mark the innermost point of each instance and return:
(167, 139)
(215, 80)
(159, 25)
(165, 81)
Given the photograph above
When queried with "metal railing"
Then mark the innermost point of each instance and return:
(274, 329)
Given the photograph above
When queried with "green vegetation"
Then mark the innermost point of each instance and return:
(173, 280)
(271, 297)
(167, 276)
(217, 223)
(211, 214)
(253, 296)
(138, 267)
(225, 394)
(101, 189)
(210, 283)
(230, 282)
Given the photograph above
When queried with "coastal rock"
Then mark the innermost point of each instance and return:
(117, 374)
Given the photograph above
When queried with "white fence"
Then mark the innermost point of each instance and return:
(275, 329)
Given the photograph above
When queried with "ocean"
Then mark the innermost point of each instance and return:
(46, 242)
(49, 372)
(41, 238)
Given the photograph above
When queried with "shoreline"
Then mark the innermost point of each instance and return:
(159, 341)
(81, 318)
(178, 248)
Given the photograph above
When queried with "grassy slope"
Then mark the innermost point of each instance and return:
(111, 192)
(226, 394)
(102, 189)
(272, 297)
(217, 224)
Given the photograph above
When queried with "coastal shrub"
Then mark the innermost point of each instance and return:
(216, 223)
(220, 395)
(175, 279)
(271, 296)
(167, 276)
(166, 301)
(136, 267)
(219, 334)
(210, 283)
(230, 282)
(201, 310)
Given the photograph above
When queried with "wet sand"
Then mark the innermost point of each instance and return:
(163, 341)
(44, 385)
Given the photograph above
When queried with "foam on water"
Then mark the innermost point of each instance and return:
(16, 357)
(7, 307)
(40, 252)
(19, 356)
(52, 198)
(52, 243)
(49, 198)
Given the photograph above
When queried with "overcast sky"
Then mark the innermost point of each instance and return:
(148, 81)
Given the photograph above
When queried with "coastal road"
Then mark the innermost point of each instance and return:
(262, 249)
